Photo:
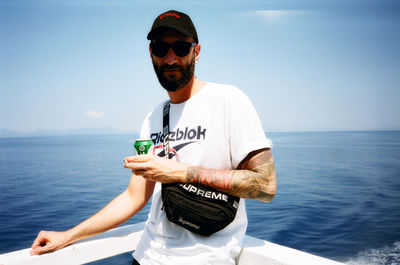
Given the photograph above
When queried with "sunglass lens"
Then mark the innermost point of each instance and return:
(160, 49)
(181, 48)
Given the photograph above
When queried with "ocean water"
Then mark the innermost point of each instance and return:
(338, 192)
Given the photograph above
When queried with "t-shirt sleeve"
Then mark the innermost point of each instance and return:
(145, 130)
(246, 133)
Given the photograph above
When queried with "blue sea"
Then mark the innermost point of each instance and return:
(338, 192)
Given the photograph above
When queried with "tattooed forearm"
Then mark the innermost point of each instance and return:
(255, 178)
(217, 179)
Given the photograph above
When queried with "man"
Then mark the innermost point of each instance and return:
(218, 142)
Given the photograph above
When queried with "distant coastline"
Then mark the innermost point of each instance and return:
(5, 133)
(80, 131)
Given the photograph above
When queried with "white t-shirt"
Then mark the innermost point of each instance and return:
(216, 128)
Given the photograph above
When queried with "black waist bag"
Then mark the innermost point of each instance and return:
(199, 209)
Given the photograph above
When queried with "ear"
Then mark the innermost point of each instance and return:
(197, 52)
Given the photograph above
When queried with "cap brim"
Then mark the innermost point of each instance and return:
(154, 31)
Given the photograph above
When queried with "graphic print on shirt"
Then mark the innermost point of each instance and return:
(184, 136)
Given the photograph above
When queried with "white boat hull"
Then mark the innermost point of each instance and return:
(124, 239)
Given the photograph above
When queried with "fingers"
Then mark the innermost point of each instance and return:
(138, 166)
(38, 250)
(48, 241)
(41, 240)
(140, 162)
(152, 168)
(138, 158)
(41, 244)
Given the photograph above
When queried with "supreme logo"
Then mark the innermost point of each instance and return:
(184, 222)
(169, 14)
(205, 193)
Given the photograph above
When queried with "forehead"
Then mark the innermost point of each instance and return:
(170, 35)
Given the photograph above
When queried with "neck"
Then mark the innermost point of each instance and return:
(187, 92)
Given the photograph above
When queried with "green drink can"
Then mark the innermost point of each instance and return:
(144, 146)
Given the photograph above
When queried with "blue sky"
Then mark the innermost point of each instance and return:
(306, 65)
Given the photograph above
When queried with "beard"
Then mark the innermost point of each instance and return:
(173, 84)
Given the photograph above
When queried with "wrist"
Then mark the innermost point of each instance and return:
(68, 237)
(183, 173)
(191, 176)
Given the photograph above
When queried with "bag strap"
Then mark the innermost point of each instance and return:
(166, 129)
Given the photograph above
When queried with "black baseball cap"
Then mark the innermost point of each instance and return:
(176, 20)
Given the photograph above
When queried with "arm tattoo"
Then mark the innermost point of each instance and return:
(254, 178)
(214, 178)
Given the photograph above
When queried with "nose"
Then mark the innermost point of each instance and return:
(170, 58)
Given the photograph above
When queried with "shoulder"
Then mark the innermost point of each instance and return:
(156, 111)
(225, 92)
(152, 120)
(222, 88)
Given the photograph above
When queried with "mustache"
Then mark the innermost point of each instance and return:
(174, 67)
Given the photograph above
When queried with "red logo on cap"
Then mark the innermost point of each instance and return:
(170, 14)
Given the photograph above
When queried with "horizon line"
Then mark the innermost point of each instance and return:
(7, 133)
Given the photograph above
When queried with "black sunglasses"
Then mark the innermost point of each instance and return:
(180, 48)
